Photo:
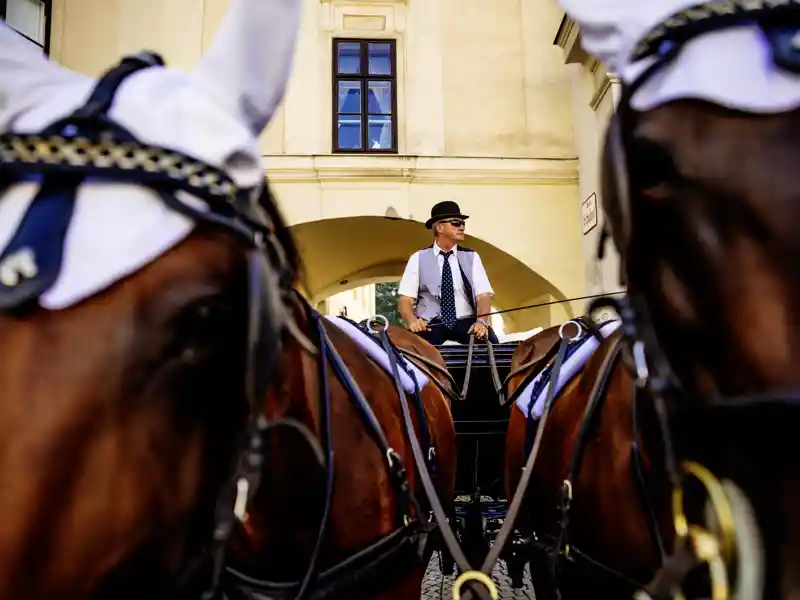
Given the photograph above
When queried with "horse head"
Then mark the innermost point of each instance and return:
(700, 190)
(132, 397)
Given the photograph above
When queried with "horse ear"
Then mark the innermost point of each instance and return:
(248, 64)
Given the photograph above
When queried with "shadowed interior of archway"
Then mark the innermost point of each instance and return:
(345, 253)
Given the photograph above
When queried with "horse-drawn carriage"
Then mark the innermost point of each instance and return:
(478, 373)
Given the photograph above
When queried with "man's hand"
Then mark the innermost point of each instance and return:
(417, 325)
(479, 330)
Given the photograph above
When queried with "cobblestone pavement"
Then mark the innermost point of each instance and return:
(434, 588)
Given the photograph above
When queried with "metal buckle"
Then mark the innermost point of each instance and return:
(640, 362)
(478, 576)
(377, 318)
(242, 493)
(715, 551)
(577, 336)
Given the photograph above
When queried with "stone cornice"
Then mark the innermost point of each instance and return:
(568, 38)
(420, 169)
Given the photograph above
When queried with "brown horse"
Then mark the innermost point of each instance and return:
(120, 413)
(114, 450)
(618, 483)
(702, 205)
(279, 538)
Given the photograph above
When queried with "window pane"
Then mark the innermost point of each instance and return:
(380, 62)
(349, 58)
(350, 97)
(27, 17)
(380, 133)
(349, 134)
(379, 97)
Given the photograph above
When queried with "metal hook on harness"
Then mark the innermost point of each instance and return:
(577, 336)
(377, 318)
(722, 509)
(242, 497)
(712, 550)
(640, 362)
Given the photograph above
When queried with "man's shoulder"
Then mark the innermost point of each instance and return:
(416, 253)
(465, 249)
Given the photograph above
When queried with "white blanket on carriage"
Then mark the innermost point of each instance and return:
(569, 369)
(377, 354)
(731, 67)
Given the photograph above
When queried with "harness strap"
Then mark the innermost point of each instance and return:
(389, 558)
(468, 374)
(637, 466)
(439, 513)
(102, 97)
(588, 421)
(374, 429)
(527, 471)
(498, 384)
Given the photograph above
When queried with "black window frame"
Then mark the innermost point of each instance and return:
(364, 77)
(48, 24)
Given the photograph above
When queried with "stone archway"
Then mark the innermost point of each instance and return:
(345, 253)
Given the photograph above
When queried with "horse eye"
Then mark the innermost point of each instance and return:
(200, 326)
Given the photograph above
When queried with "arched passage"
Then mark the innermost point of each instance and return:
(345, 253)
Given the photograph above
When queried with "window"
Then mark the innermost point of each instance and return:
(30, 18)
(364, 96)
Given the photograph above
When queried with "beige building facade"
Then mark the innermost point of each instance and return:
(395, 105)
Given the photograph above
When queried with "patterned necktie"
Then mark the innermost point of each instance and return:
(448, 293)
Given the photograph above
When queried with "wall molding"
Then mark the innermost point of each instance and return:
(608, 83)
(420, 169)
(568, 38)
(336, 12)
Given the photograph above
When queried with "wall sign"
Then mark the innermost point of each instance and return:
(589, 213)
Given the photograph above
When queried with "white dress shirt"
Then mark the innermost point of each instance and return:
(409, 284)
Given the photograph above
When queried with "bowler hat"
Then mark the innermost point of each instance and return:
(444, 210)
